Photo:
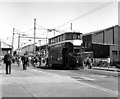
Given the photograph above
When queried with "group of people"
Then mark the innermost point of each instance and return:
(8, 59)
(88, 62)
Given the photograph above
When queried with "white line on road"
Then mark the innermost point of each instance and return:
(100, 88)
(87, 78)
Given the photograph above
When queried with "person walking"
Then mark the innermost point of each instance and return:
(18, 61)
(25, 61)
(88, 62)
(8, 61)
(108, 61)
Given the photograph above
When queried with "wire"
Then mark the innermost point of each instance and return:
(41, 26)
(88, 13)
(25, 31)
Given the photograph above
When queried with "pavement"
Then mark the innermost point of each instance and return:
(107, 69)
(103, 71)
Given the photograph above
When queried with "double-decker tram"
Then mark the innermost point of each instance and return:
(65, 50)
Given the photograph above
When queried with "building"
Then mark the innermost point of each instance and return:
(104, 43)
(4, 48)
(30, 49)
(27, 49)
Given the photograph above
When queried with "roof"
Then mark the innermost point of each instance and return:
(5, 45)
(90, 33)
(64, 33)
(98, 31)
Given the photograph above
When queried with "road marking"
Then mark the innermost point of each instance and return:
(82, 78)
(87, 78)
(103, 76)
(100, 88)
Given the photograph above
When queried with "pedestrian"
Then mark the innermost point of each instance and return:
(88, 62)
(8, 61)
(39, 61)
(29, 58)
(18, 61)
(108, 61)
(25, 61)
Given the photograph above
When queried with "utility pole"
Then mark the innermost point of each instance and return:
(40, 46)
(54, 31)
(13, 41)
(34, 35)
(71, 26)
(18, 43)
(0, 49)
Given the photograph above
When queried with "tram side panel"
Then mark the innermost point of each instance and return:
(55, 56)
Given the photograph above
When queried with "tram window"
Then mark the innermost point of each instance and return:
(61, 38)
(77, 36)
(69, 37)
(55, 39)
(58, 39)
(49, 41)
(64, 37)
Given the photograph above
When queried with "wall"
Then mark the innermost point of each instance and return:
(87, 39)
(108, 37)
(28, 48)
(98, 37)
(100, 51)
(119, 42)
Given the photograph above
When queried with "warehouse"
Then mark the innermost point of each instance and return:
(104, 43)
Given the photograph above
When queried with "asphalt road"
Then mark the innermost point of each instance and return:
(36, 82)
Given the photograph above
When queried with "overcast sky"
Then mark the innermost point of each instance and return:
(49, 15)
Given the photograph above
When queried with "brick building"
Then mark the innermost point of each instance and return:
(104, 43)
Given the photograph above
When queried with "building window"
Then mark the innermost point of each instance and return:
(114, 52)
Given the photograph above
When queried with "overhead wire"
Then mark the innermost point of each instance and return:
(88, 13)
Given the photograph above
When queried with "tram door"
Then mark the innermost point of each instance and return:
(65, 56)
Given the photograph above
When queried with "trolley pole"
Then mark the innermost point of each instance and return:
(34, 35)
(13, 41)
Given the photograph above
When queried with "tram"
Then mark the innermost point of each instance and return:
(65, 50)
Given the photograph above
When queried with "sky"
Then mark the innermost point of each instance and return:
(84, 16)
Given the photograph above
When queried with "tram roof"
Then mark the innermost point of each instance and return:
(66, 33)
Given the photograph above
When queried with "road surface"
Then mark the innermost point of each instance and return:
(36, 82)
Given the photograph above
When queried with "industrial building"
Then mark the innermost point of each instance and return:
(103, 43)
